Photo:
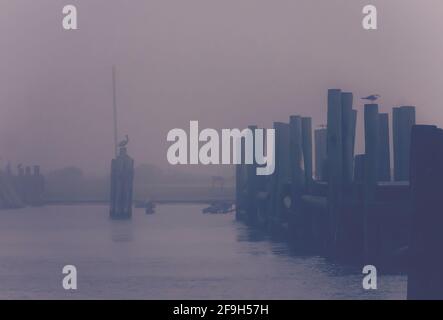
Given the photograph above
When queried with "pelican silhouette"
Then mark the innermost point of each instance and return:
(372, 97)
(124, 143)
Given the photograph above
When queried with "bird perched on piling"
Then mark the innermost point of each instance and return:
(372, 97)
(124, 143)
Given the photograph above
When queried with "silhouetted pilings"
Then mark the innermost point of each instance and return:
(27, 187)
(351, 210)
(122, 176)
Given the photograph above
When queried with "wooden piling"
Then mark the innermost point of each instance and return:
(425, 278)
(370, 182)
(335, 168)
(359, 168)
(252, 184)
(320, 138)
(403, 120)
(348, 137)
(122, 175)
(384, 161)
(296, 156)
(282, 175)
(307, 150)
(353, 130)
(240, 185)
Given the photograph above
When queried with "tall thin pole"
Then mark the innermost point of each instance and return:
(114, 98)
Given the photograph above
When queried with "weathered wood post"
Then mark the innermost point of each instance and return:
(371, 234)
(282, 174)
(359, 168)
(384, 161)
(296, 156)
(425, 280)
(403, 120)
(122, 175)
(396, 142)
(252, 182)
(353, 129)
(335, 167)
(348, 132)
(307, 150)
(320, 138)
(238, 191)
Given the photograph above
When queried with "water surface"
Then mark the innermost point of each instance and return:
(177, 253)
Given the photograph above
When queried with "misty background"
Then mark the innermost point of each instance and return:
(227, 64)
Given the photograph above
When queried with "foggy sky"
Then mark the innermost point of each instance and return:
(225, 63)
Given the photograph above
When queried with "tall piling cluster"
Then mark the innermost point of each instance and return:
(340, 204)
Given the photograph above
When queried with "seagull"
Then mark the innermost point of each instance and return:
(125, 142)
(372, 97)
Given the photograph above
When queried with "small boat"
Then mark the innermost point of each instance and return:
(148, 205)
(221, 207)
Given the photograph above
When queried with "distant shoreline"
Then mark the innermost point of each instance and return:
(164, 201)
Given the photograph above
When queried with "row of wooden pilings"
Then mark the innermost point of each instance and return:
(349, 208)
(25, 187)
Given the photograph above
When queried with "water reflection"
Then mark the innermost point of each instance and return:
(122, 230)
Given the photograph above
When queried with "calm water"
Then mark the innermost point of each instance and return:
(178, 253)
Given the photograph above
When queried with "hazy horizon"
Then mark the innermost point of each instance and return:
(225, 63)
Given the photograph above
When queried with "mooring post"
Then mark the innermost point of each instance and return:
(359, 168)
(384, 161)
(307, 150)
(240, 184)
(403, 120)
(354, 128)
(335, 168)
(296, 154)
(252, 184)
(371, 236)
(282, 174)
(348, 137)
(320, 137)
(425, 278)
(396, 142)
(122, 175)
(407, 118)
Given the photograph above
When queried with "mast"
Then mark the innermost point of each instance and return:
(114, 98)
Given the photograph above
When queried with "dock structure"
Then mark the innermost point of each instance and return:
(122, 176)
(351, 209)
